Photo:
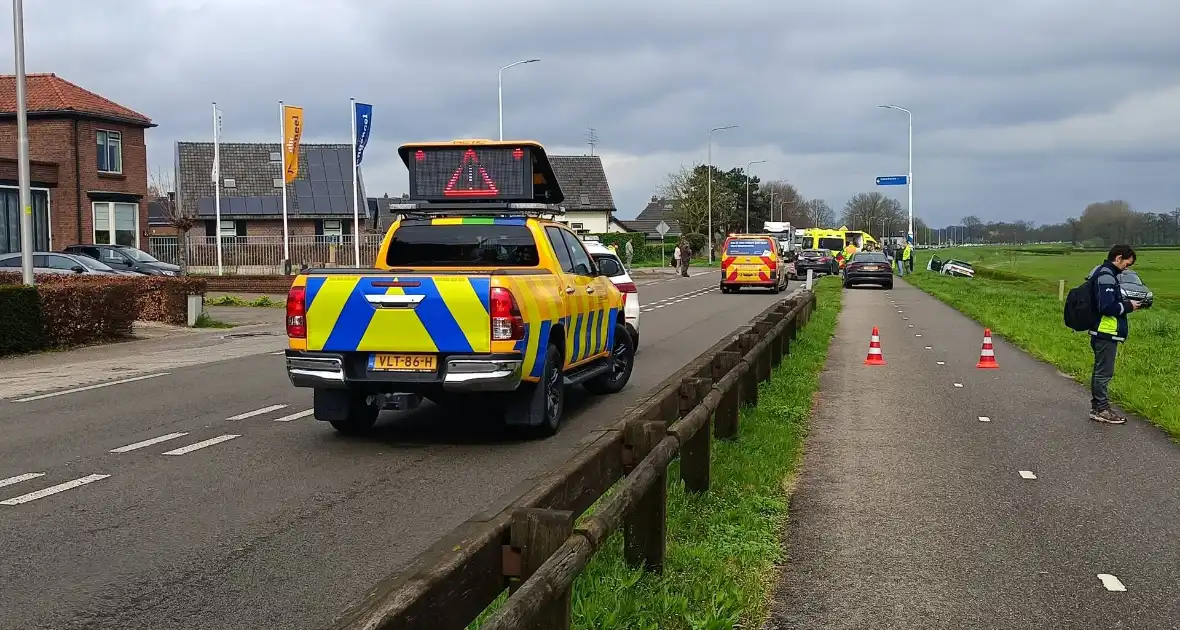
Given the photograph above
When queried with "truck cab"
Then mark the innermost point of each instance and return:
(479, 297)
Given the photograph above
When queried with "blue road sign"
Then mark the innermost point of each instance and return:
(892, 180)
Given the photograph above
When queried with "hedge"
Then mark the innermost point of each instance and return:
(81, 312)
(153, 298)
(20, 325)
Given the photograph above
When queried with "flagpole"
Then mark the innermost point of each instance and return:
(356, 207)
(283, 166)
(217, 183)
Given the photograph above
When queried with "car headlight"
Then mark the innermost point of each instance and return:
(165, 272)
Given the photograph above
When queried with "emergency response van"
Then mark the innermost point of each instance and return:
(752, 260)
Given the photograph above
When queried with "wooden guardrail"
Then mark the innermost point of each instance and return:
(532, 546)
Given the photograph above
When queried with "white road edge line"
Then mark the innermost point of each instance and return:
(200, 445)
(139, 445)
(19, 478)
(90, 387)
(984, 419)
(1027, 474)
(1112, 583)
(256, 412)
(61, 487)
(295, 416)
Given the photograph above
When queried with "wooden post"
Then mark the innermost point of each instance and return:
(1061, 290)
(644, 528)
(695, 452)
(727, 417)
(537, 533)
(750, 382)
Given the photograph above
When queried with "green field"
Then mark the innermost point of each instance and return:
(1015, 293)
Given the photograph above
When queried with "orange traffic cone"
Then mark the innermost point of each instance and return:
(987, 355)
(875, 357)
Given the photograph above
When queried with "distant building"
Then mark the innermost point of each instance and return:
(319, 201)
(589, 205)
(656, 210)
(88, 166)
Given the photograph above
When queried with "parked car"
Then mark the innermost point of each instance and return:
(1134, 289)
(868, 268)
(127, 258)
(62, 264)
(612, 267)
(818, 260)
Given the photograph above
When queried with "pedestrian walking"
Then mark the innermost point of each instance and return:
(685, 257)
(628, 253)
(1110, 330)
(676, 255)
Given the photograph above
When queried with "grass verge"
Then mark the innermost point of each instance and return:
(1147, 375)
(724, 546)
(233, 300)
(204, 321)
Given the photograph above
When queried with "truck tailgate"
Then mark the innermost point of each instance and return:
(404, 313)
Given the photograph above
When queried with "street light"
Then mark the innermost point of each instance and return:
(500, 83)
(710, 209)
(22, 126)
(909, 180)
(748, 165)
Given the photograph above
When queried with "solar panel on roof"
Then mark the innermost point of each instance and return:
(272, 205)
(237, 205)
(346, 163)
(254, 205)
(321, 205)
(315, 165)
(336, 189)
(332, 166)
(319, 188)
(303, 205)
(340, 205)
(205, 206)
(302, 188)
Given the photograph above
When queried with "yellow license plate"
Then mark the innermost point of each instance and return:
(403, 362)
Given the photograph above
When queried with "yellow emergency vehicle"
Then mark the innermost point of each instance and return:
(752, 260)
(479, 295)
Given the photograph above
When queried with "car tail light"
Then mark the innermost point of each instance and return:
(626, 287)
(507, 322)
(297, 313)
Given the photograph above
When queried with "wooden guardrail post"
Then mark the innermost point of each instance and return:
(644, 529)
(695, 453)
(763, 328)
(726, 418)
(750, 382)
(537, 533)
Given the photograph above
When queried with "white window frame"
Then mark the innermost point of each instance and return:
(48, 208)
(110, 135)
(336, 232)
(110, 209)
(278, 182)
(229, 182)
(276, 157)
(231, 232)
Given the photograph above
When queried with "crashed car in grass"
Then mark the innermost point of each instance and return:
(951, 267)
(1132, 287)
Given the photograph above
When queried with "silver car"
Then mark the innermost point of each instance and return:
(61, 264)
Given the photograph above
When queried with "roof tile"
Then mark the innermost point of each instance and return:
(51, 93)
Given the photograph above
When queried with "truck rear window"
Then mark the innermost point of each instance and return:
(747, 247)
(467, 245)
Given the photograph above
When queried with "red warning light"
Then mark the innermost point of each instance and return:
(476, 181)
(420, 155)
(518, 153)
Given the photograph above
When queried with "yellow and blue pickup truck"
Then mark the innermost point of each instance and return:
(478, 295)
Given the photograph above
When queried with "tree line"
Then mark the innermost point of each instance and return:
(1101, 224)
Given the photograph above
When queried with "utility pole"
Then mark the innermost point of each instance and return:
(22, 126)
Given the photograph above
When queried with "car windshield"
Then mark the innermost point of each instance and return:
(137, 254)
(96, 265)
(832, 244)
(423, 244)
(869, 257)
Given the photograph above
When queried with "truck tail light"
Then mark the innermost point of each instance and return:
(507, 322)
(297, 313)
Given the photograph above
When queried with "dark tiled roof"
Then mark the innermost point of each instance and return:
(649, 227)
(583, 181)
(323, 187)
(656, 210)
(51, 93)
(158, 213)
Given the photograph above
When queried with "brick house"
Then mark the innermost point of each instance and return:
(88, 166)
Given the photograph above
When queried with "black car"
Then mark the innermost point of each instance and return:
(127, 258)
(868, 268)
(818, 260)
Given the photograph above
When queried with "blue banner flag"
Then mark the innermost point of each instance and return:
(364, 122)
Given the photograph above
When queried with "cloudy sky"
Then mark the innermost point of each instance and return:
(1023, 109)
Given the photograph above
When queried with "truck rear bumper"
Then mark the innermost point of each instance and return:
(458, 373)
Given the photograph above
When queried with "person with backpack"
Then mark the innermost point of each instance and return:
(1098, 306)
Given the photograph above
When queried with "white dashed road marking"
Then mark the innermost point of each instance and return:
(984, 419)
(61, 487)
(295, 416)
(917, 334)
(942, 362)
(145, 443)
(256, 412)
(929, 347)
(1027, 474)
(1112, 583)
(958, 384)
(90, 387)
(19, 478)
(200, 445)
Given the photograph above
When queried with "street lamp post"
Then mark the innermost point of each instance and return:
(22, 126)
(748, 165)
(909, 180)
(500, 90)
(710, 186)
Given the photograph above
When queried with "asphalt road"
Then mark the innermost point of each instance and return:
(280, 523)
(937, 495)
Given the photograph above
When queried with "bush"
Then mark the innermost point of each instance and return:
(20, 325)
(152, 298)
(87, 310)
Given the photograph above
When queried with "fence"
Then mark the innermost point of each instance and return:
(261, 255)
(533, 548)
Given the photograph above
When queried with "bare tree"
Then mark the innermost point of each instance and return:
(871, 211)
(788, 203)
(818, 213)
(162, 191)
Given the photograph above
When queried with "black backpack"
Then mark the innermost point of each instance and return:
(1081, 306)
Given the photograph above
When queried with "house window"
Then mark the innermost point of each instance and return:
(116, 223)
(333, 227)
(275, 157)
(278, 182)
(231, 182)
(110, 152)
(585, 199)
(576, 226)
(228, 228)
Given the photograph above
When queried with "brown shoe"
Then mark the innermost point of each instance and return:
(1106, 416)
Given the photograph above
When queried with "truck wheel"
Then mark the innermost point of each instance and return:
(622, 360)
(539, 406)
(348, 412)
